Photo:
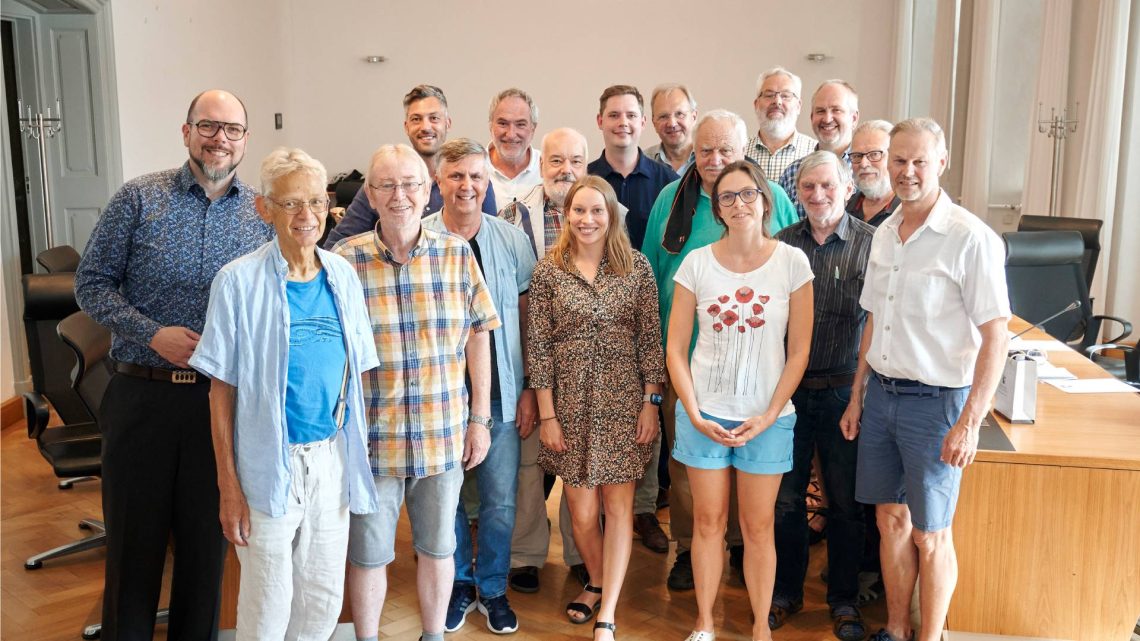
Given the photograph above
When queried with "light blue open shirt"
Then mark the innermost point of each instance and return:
(245, 343)
(508, 262)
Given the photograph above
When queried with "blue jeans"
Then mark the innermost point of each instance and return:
(817, 425)
(497, 478)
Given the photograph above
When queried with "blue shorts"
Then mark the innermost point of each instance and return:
(769, 452)
(900, 449)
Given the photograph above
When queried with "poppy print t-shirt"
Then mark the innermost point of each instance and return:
(742, 320)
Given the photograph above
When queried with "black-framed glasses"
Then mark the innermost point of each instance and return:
(388, 188)
(786, 96)
(747, 196)
(293, 206)
(209, 129)
(873, 156)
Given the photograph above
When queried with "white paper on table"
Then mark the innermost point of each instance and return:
(1047, 370)
(1092, 386)
(1043, 345)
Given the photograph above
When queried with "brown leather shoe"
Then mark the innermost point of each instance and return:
(652, 536)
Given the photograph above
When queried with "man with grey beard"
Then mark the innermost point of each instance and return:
(874, 200)
(777, 143)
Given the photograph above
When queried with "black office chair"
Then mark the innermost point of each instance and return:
(59, 259)
(1044, 274)
(76, 449)
(48, 299)
(1089, 229)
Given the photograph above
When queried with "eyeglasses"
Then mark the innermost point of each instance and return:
(389, 188)
(293, 206)
(676, 115)
(786, 96)
(209, 129)
(726, 198)
(873, 156)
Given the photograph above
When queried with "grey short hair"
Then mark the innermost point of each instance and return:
(819, 159)
(453, 151)
(873, 125)
(780, 71)
(842, 83)
(396, 153)
(513, 92)
(661, 90)
(922, 125)
(724, 115)
(284, 161)
(423, 92)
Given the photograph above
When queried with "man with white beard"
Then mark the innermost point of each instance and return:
(834, 114)
(777, 143)
(874, 200)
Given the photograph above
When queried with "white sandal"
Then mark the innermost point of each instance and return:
(701, 635)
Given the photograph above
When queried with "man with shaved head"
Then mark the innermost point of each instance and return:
(146, 276)
(539, 211)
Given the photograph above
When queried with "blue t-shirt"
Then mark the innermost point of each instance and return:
(316, 360)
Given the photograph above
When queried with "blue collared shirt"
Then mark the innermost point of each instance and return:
(361, 217)
(154, 252)
(508, 261)
(637, 191)
(246, 344)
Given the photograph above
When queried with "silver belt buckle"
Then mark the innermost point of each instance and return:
(183, 376)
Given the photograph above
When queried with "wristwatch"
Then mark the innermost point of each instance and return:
(652, 398)
(485, 421)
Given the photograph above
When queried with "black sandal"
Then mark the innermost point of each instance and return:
(586, 611)
(604, 625)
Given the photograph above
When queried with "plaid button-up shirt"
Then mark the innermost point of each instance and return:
(775, 162)
(422, 312)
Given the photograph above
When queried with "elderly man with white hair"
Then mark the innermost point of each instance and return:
(286, 340)
(874, 199)
(777, 143)
(680, 222)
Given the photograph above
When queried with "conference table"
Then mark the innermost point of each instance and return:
(1048, 533)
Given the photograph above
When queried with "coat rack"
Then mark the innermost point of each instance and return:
(42, 126)
(1058, 127)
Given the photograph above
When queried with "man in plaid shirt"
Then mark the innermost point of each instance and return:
(431, 314)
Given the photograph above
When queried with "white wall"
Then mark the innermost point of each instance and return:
(167, 52)
(340, 108)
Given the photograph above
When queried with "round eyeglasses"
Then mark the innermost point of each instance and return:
(747, 196)
(293, 206)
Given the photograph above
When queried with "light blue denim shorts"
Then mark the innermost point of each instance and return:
(769, 452)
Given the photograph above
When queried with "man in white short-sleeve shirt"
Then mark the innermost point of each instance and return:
(933, 349)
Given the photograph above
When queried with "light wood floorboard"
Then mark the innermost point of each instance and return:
(54, 603)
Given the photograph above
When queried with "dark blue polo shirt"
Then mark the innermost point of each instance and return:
(637, 191)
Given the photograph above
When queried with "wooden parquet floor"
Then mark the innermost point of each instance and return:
(55, 602)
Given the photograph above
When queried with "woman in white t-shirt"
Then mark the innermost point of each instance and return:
(747, 292)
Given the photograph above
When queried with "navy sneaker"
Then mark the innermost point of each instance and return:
(501, 618)
(461, 604)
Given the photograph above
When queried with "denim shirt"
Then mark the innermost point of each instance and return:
(508, 261)
(245, 343)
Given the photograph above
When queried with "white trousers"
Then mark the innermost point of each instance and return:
(292, 570)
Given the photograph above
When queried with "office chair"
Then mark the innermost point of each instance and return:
(1044, 275)
(48, 299)
(76, 449)
(1089, 229)
(59, 259)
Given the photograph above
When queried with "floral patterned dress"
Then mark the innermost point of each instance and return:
(596, 345)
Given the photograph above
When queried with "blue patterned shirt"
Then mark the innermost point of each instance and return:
(788, 180)
(155, 251)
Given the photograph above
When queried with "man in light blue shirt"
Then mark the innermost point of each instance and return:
(286, 339)
(506, 258)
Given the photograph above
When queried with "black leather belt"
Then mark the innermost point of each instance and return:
(827, 381)
(176, 376)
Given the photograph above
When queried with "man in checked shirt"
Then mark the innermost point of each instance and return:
(431, 315)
